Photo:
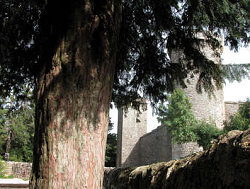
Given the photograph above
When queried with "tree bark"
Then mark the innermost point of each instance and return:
(73, 92)
(8, 141)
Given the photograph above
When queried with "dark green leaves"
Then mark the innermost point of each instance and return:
(152, 29)
(177, 116)
(236, 72)
(18, 55)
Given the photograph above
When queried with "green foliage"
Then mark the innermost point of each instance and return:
(183, 126)
(111, 147)
(3, 132)
(17, 129)
(178, 118)
(148, 27)
(241, 120)
(206, 132)
(233, 72)
(7, 177)
(181, 123)
(2, 167)
(18, 29)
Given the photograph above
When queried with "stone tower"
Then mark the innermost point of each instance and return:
(132, 125)
(204, 107)
(135, 147)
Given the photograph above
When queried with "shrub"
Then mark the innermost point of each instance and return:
(206, 132)
(241, 120)
(178, 118)
(2, 167)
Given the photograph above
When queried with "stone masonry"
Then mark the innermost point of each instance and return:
(135, 147)
(231, 108)
(18, 169)
(150, 148)
(225, 165)
(204, 107)
(131, 126)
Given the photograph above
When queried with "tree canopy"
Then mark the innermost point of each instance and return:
(177, 116)
(76, 51)
(17, 126)
(183, 127)
(148, 28)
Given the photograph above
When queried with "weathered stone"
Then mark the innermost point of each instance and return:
(18, 169)
(231, 108)
(226, 164)
(132, 125)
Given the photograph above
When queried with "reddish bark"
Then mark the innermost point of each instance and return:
(73, 95)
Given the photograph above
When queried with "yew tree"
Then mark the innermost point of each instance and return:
(81, 54)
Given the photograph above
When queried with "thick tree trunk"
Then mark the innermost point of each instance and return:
(73, 93)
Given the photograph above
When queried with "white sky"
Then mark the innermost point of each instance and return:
(232, 91)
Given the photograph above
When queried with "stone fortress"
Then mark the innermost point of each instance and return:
(136, 147)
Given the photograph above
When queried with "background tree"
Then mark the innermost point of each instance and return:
(2, 168)
(241, 120)
(206, 133)
(77, 51)
(177, 116)
(181, 123)
(17, 127)
(111, 147)
(3, 132)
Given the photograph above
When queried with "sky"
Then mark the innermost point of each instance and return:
(232, 91)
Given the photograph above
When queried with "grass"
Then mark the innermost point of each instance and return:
(7, 177)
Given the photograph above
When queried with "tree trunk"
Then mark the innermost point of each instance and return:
(8, 141)
(73, 93)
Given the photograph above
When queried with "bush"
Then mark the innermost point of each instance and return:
(178, 118)
(182, 124)
(206, 133)
(184, 127)
(2, 167)
(237, 122)
(241, 120)
(110, 156)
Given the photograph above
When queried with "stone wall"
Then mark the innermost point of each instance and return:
(151, 148)
(19, 169)
(156, 146)
(182, 150)
(132, 124)
(204, 107)
(231, 108)
(224, 165)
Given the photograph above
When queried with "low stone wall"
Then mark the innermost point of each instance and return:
(18, 169)
(156, 146)
(152, 147)
(231, 108)
(184, 149)
(224, 165)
